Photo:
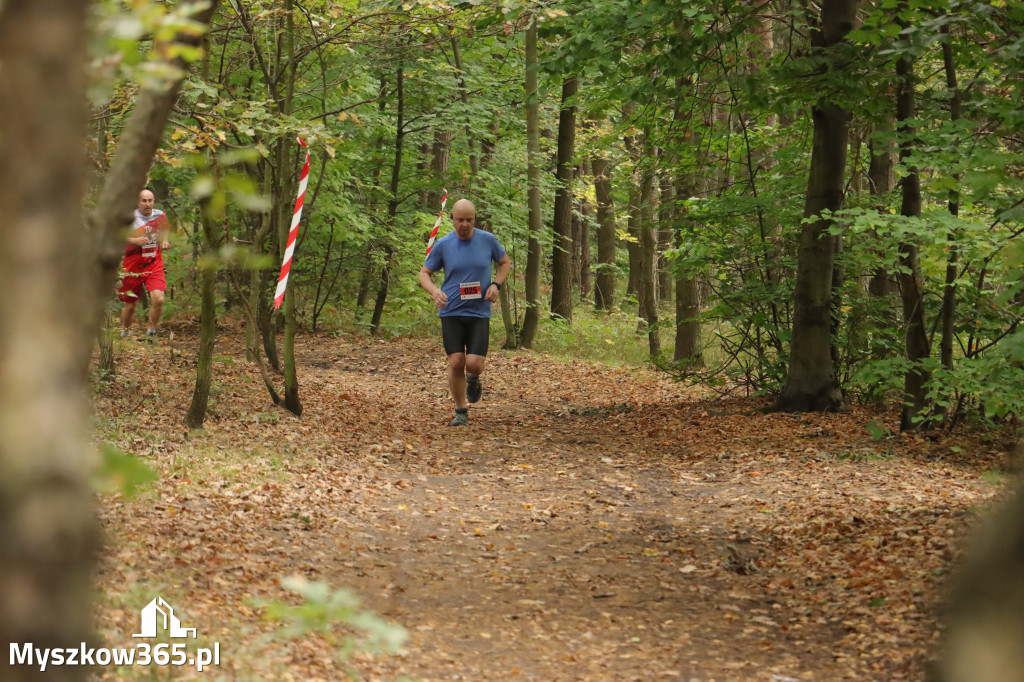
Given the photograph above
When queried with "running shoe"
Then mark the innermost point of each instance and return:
(461, 417)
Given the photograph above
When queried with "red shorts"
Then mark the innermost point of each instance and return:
(141, 273)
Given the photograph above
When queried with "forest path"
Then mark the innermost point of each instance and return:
(591, 523)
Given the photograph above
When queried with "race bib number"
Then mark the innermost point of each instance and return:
(149, 250)
(470, 290)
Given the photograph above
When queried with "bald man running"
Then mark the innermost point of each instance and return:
(464, 301)
(144, 265)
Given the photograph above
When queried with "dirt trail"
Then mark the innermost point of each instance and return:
(590, 524)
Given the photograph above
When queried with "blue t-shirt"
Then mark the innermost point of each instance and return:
(467, 271)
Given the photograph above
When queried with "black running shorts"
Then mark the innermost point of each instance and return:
(464, 334)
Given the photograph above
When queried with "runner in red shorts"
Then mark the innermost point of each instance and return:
(144, 264)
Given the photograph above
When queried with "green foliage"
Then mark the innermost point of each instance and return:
(610, 338)
(985, 369)
(878, 431)
(120, 472)
(690, 89)
(323, 610)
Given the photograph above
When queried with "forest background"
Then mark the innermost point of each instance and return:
(815, 203)
(745, 184)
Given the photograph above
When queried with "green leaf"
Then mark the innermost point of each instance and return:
(120, 472)
(877, 431)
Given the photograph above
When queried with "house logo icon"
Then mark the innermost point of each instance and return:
(151, 620)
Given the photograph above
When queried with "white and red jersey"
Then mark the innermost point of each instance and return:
(151, 226)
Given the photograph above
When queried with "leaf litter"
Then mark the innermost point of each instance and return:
(592, 522)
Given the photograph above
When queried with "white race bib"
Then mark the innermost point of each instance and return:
(470, 290)
(149, 249)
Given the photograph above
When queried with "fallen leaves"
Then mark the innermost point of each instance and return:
(592, 523)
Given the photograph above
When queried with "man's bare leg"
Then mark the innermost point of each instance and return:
(128, 316)
(457, 378)
(474, 368)
(156, 309)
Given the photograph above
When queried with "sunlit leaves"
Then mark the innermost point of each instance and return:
(134, 41)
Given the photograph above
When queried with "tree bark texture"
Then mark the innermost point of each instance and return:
(881, 178)
(688, 343)
(915, 334)
(586, 212)
(440, 154)
(464, 97)
(561, 255)
(396, 175)
(647, 282)
(267, 318)
(47, 523)
(982, 642)
(369, 268)
(604, 290)
(286, 185)
(633, 219)
(531, 318)
(633, 223)
(576, 230)
(811, 383)
(196, 414)
(105, 338)
(666, 226)
(949, 291)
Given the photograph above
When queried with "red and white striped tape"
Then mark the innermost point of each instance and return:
(293, 231)
(440, 217)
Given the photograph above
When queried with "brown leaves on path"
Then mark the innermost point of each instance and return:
(591, 523)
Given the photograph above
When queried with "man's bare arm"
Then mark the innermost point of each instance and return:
(440, 299)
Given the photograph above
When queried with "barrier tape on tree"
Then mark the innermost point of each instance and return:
(293, 231)
(440, 216)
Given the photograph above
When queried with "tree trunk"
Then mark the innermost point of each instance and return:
(982, 642)
(536, 222)
(647, 282)
(688, 346)
(916, 336)
(881, 179)
(440, 154)
(561, 254)
(426, 201)
(666, 227)
(369, 267)
(196, 414)
(688, 343)
(953, 205)
(633, 219)
(584, 241)
(286, 188)
(604, 291)
(811, 384)
(365, 278)
(257, 279)
(633, 223)
(105, 337)
(267, 318)
(396, 171)
(575, 229)
(47, 521)
(464, 96)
